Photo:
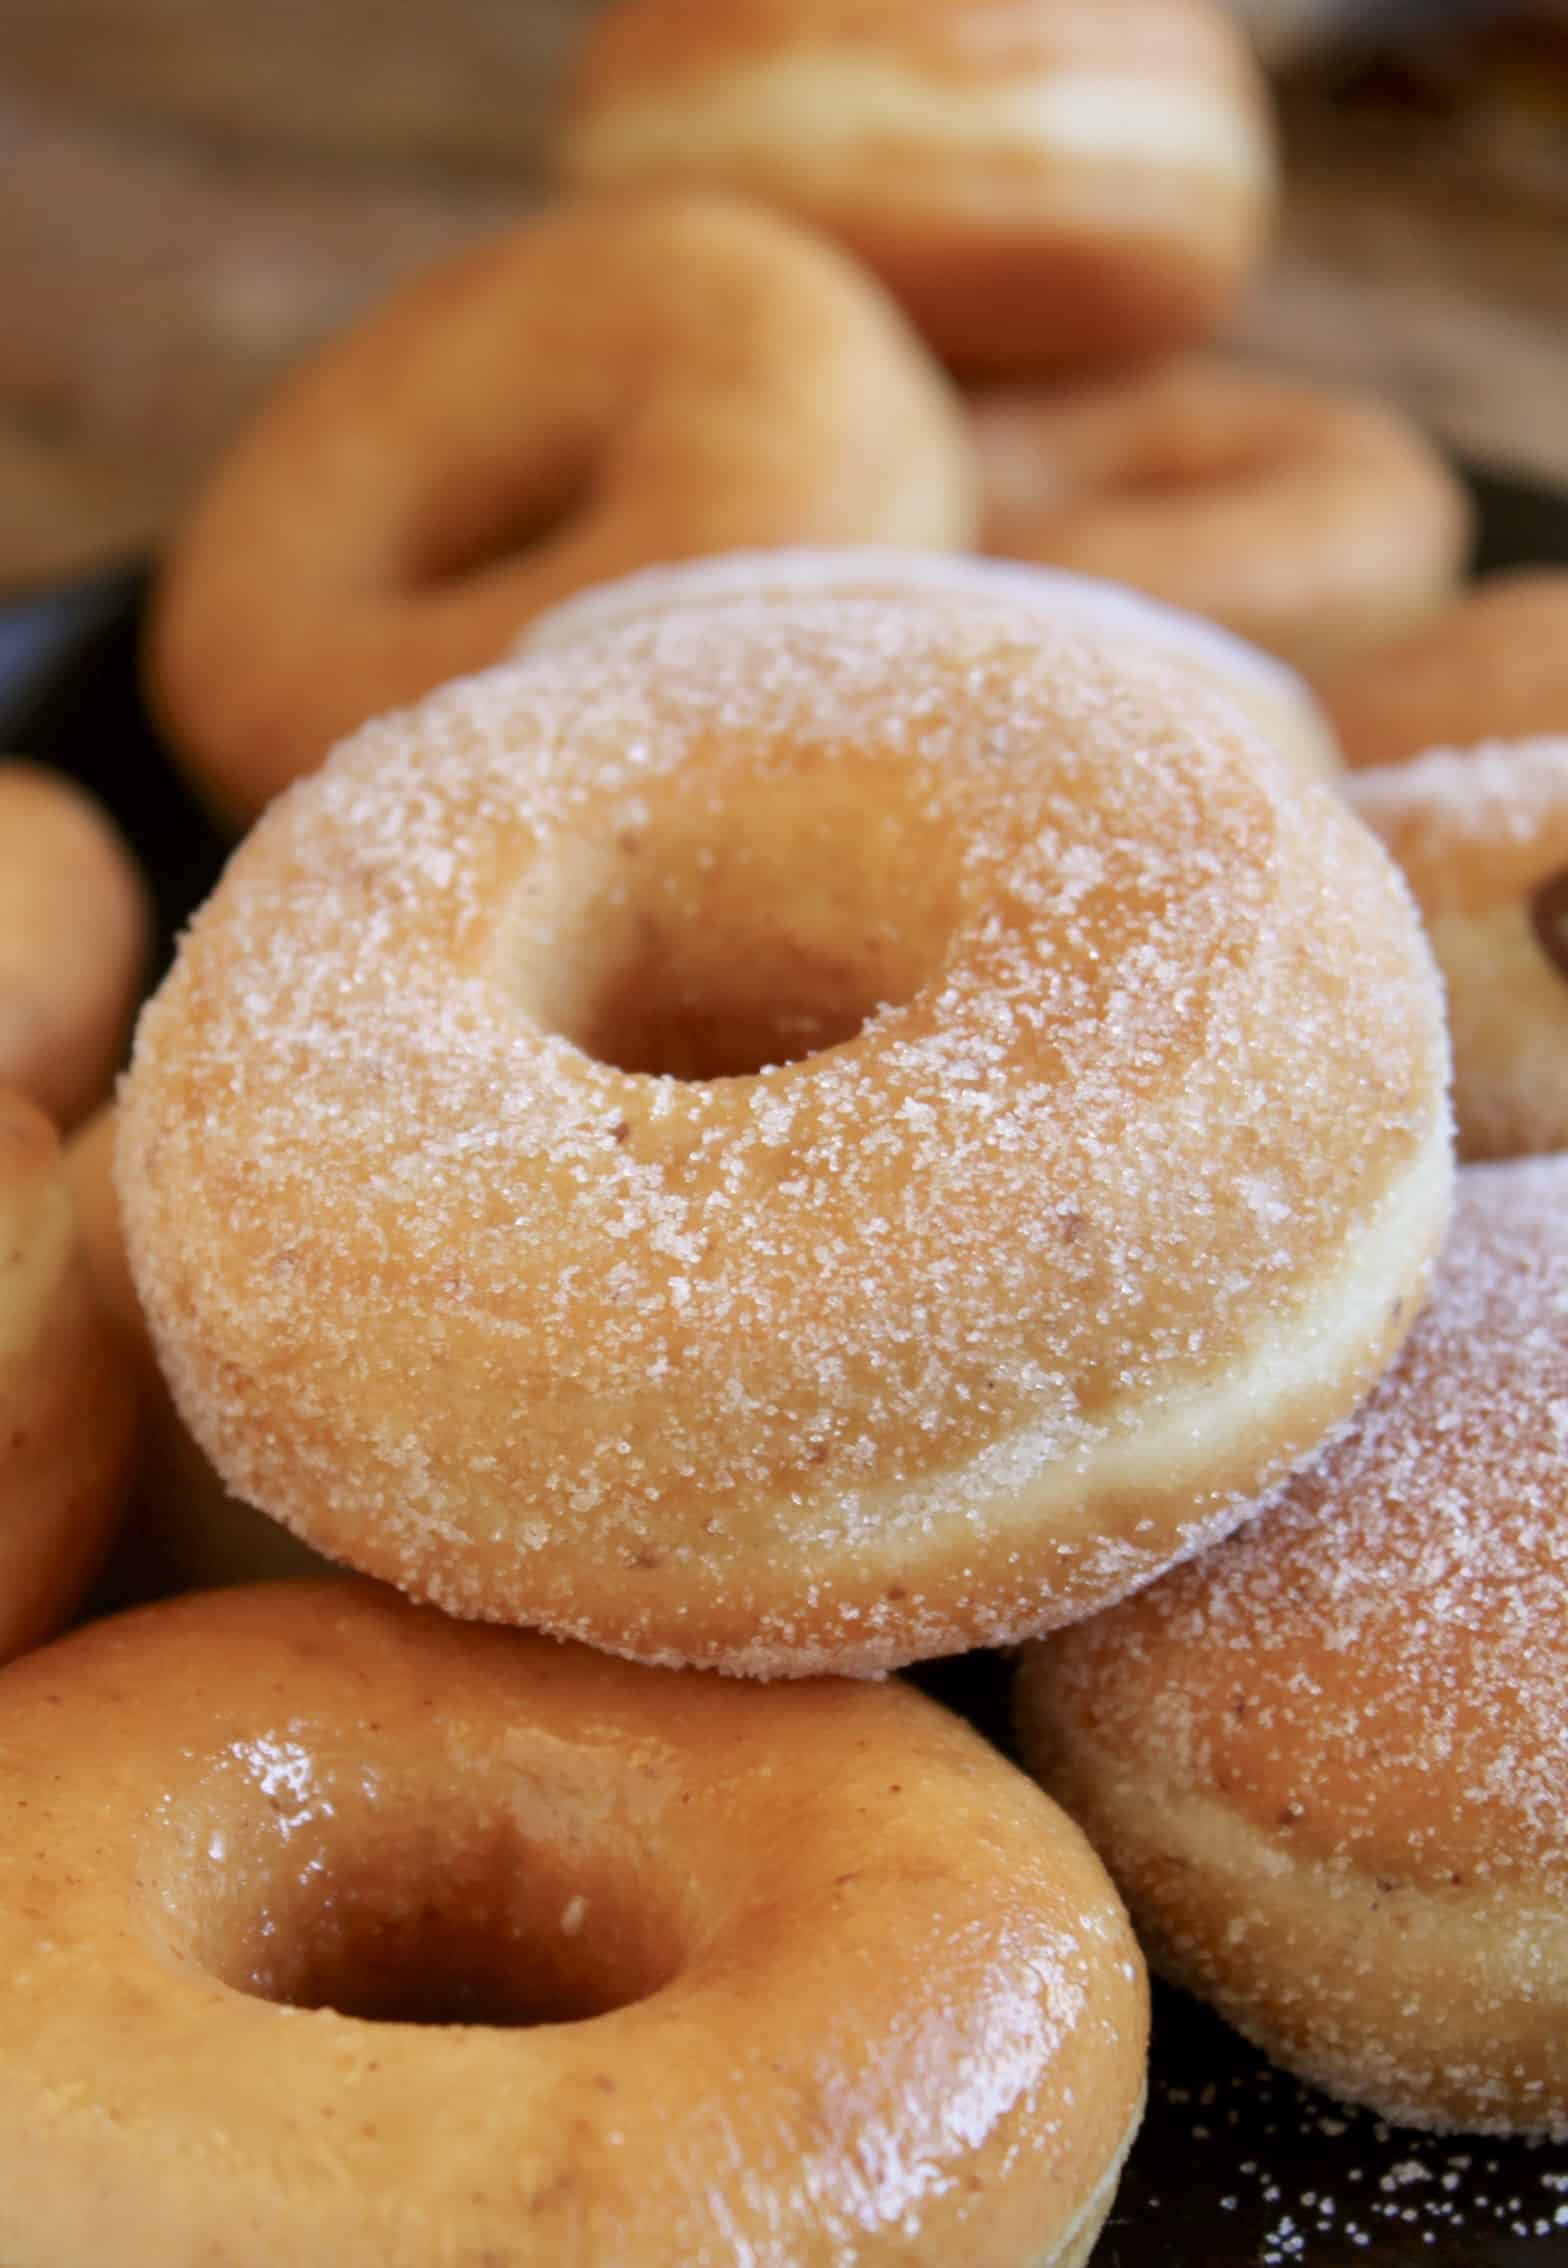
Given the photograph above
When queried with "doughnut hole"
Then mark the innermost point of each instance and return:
(704, 933)
(506, 1902)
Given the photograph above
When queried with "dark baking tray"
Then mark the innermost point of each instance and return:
(1237, 2166)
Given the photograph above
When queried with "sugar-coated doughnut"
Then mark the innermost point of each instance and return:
(1482, 836)
(1493, 666)
(324, 1918)
(67, 1398)
(184, 1530)
(1312, 521)
(74, 934)
(826, 1136)
(635, 379)
(1276, 699)
(1045, 184)
(1326, 1762)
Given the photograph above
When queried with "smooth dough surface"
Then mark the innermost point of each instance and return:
(1045, 187)
(829, 1135)
(374, 1940)
(616, 381)
(1326, 1762)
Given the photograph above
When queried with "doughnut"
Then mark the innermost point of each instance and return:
(75, 927)
(184, 1530)
(639, 378)
(1326, 1762)
(374, 1939)
(1045, 184)
(825, 1137)
(67, 1402)
(1276, 699)
(1482, 836)
(1493, 666)
(1316, 523)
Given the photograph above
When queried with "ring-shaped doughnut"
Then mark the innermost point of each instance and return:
(1482, 836)
(628, 380)
(822, 1138)
(1326, 1762)
(1045, 186)
(1314, 522)
(1275, 698)
(74, 933)
(373, 1939)
(67, 1392)
(1493, 666)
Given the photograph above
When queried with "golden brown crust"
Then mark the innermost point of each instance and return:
(1312, 521)
(1482, 835)
(726, 380)
(1042, 187)
(859, 1992)
(835, 1133)
(75, 926)
(1493, 666)
(67, 1397)
(1326, 1762)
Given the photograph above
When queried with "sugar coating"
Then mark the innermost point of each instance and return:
(1365, 1690)
(1471, 827)
(818, 1366)
(1283, 701)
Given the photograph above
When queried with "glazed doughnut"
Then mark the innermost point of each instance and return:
(67, 1401)
(74, 934)
(1482, 835)
(1045, 184)
(830, 1136)
(1275, 698)
(324, 1913)
(497, 435)
(1314, 522)
(1326, 1762)
(1493, 666)
(184, 1530)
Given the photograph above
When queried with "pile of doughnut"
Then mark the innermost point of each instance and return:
(769, 1098)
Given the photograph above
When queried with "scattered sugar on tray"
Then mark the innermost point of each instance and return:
(364, 1054)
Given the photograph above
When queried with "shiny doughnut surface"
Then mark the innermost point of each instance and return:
(374, 1940)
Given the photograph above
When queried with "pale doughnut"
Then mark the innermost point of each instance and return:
(1493, 666)
(67, 1397)
(1315, 522)
(635, 379)
(325, 1910)
(1482, 835)
(74, 934)
(1275, 698)
(184, 1530)
(1326, 1762)
(794, 1140)
(1045, 184)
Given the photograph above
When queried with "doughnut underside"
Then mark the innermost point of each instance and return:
(1104, 1176)
(349, 1876)
(1326, 1765)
